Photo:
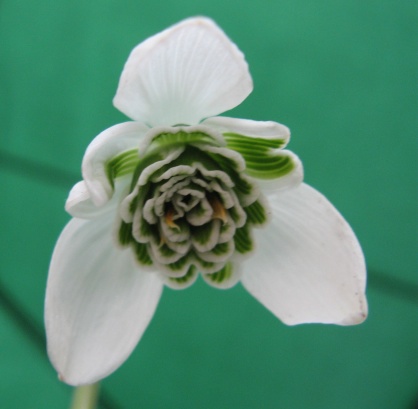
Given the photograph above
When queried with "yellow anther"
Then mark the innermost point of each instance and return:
(169, 219)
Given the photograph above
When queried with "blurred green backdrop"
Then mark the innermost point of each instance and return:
(342, 76)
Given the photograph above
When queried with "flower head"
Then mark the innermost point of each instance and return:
(180, 192)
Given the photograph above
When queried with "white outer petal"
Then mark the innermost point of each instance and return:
(186, 73)
(105, 146)
(98, 302)
(247, 127)
(309, 266)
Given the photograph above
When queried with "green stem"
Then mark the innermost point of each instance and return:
(85, 397)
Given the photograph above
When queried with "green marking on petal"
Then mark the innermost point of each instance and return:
(242, 240)
(194, 155)
(141, 196)
(178, 265)
(125, 233)
(238, 215)
(205, 264)
(261, 160)
(141, 252)
(189, 157)
(140, 249)
(143, 164)
(225, 273)
(243, 186)
(169, 140)
(270, 167)
(191, 272)
(205, 237)
(146, 230)
(221, 248)
(122, 164)
(166, 251)
(234, 140)
(256, 213)
(226, 157)
(202, 234)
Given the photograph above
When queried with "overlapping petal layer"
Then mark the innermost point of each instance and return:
(108, 144)
(261, 144)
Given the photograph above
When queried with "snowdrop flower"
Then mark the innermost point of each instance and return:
(180, 192)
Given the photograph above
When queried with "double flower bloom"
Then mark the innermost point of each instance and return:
(179, 192)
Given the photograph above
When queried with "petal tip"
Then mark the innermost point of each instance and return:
(357, 317)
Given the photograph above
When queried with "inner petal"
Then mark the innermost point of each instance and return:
(176, 231)
(206, 237)
(201, 214)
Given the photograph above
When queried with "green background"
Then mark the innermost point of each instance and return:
(342, 76)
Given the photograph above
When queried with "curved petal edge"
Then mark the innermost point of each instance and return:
(98, 302)
(248, 127)
(108, 144)
(309, 267)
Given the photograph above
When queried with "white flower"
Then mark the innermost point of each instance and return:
(179, 192)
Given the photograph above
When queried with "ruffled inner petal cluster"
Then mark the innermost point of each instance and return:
(191, 207)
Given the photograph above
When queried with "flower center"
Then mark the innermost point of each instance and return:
(191, 209)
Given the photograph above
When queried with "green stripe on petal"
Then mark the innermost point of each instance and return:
(219, 254)
(243, 241)
(256, 213)
(163, 254)
(221, 275)
(270, 167)
(206, 267)
(225, 156)
(261, 160)
(184, 281)
(189, 157)
(169, 140)
(227, 230)
(224, 278)
(206, 237)
(179, 264)
(145, 231)
(242, 141)
(221, 248)
(122, 164)
(244, 187)
(141, 253)
(166, 251)
(125, 233)
(238, 215)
